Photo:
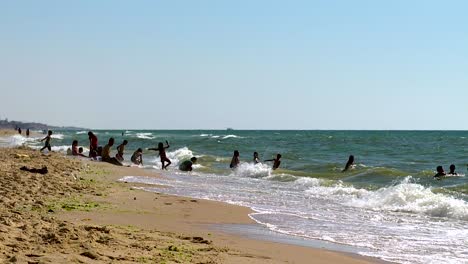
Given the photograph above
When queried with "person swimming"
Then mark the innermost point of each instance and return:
(162, 154)
(349, 164)
(235, 160)
(276, 161)
(440, 173)
(452, 171)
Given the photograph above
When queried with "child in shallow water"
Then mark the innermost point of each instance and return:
(162, 154)
(452, 170)
(440, 173)
(276, 161)
(120, 151)
(235, 160)
(47, 141)
(137, 157)
(349, 164)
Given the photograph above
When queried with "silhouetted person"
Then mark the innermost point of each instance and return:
(187, 165)
(255, 158)
(349, 164)
(27, 132)
(47, 141)
(452, 170)
(19, 131)
(276, 161)
(235, 160)
(162, 154)
(440, 173)
(120, 150)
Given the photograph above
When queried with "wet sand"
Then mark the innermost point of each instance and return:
(79, 213)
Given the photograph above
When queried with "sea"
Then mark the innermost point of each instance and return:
(389, 206)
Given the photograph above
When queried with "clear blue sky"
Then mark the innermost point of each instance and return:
(241, 64)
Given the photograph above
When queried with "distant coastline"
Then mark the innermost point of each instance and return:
(5, 124)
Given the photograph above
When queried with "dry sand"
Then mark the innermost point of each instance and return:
(79, 213)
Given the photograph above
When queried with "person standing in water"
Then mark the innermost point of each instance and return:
(27, 132)
(235, 160)
(162, 154)
(120, 150)
(349, 164)
(256, 160)
(452, 171)
(276, 161)
(93, 145)
(47, 141)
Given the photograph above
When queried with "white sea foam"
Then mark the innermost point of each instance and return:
(411, 197)
(176, 157)
(18, 140)
(317, 209)
(308, 182)
(338, 190)
(58, 136)
(81, 132)
(145, 135)
(251, 170)
(231, 136)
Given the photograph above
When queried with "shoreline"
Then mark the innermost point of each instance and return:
(195, 217)
(97, 203)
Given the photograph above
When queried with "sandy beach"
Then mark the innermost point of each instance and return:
(79, 213)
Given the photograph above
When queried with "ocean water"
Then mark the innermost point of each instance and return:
(388, 206)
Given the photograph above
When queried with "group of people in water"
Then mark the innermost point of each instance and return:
(441, 173)
(235, 161)
(96, 151)
(104, 153)
(20, 131)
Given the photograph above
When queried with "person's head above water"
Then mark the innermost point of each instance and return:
(255, 154)
(439, 169)
(193, 159)
(452, 168)
(111, 141)
(236, 153)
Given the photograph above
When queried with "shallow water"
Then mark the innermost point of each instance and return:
(389, 206)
